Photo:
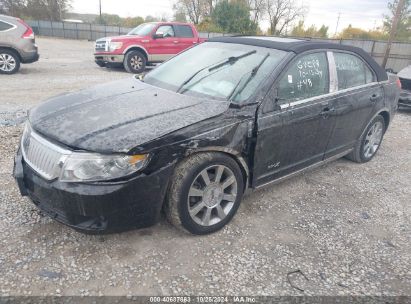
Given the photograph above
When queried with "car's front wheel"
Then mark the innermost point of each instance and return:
(9, 62)
(205, 193)
(370, 141)
(135, 62)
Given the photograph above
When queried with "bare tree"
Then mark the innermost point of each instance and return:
(257, 9)
(12, 7)
(282, 13)
(194, 9)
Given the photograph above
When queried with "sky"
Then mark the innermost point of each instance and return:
(360, 13)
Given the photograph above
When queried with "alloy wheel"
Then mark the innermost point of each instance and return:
(373, 139)
(136, 62)
(7, 62)
(212, 195)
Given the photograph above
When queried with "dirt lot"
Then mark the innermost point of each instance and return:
(345, 226)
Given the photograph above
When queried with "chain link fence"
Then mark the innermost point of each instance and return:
(87, 31)
(400, 55)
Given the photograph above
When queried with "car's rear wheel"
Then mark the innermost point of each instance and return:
(135, 62)
(9, 62)
(370, 141)
(205, 193)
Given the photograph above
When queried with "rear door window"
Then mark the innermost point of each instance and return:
(167, 31)
(184, 31)
(307, 77)
(5, 26)
(351, 71)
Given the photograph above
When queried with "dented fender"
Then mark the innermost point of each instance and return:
(230, 133)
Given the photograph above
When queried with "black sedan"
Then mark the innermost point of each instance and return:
(405, 95)
(190, 138)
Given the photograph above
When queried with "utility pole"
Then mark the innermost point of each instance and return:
(393, 32)
(101, 19)
(338, 22)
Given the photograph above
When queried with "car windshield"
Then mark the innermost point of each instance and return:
(143, 29)
(223, 71)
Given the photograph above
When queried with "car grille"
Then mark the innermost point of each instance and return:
(405, 84)
(101, 46)
(41, 155)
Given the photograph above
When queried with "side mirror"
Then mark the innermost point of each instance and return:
(158, 35)
(276, 97)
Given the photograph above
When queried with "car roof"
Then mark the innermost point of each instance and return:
(298, 46)
(286, 44)
(169, 22)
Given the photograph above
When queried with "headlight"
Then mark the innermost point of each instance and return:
(114, 45)
(87, 167)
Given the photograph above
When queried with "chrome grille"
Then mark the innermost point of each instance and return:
(41, 155)
(405, 84)
(101, 46)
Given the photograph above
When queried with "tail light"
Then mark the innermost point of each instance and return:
(28, 34)
(399, 83)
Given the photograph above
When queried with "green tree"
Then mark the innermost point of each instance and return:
(312, 31)
(404, 24)
(109, 19)
(132, 21)
(150, 18)
(116, 20)
(233, 17)
(207, 25)
(323, 31)
(53, 10)
(357, 33)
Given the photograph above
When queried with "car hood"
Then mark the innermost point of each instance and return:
(405, 73)
(119, 116)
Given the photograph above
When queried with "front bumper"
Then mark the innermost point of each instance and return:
(109, 58)
(98, 207)
(405, 99)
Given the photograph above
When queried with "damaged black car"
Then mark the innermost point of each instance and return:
(188, 139)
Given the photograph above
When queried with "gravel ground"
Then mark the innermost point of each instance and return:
(345, 226)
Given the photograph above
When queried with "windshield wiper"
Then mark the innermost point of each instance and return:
(254, 71)
(230, 60)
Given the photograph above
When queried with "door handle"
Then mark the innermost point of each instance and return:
(374, 97)
(175, 41)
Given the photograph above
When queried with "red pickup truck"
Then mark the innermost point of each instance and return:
(148, 43)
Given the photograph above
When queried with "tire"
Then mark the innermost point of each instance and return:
(367, 146)
(9, 62)
(135, 62)
(186, 184)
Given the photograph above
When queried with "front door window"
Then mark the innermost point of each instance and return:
(166, 30)
(306, 77)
